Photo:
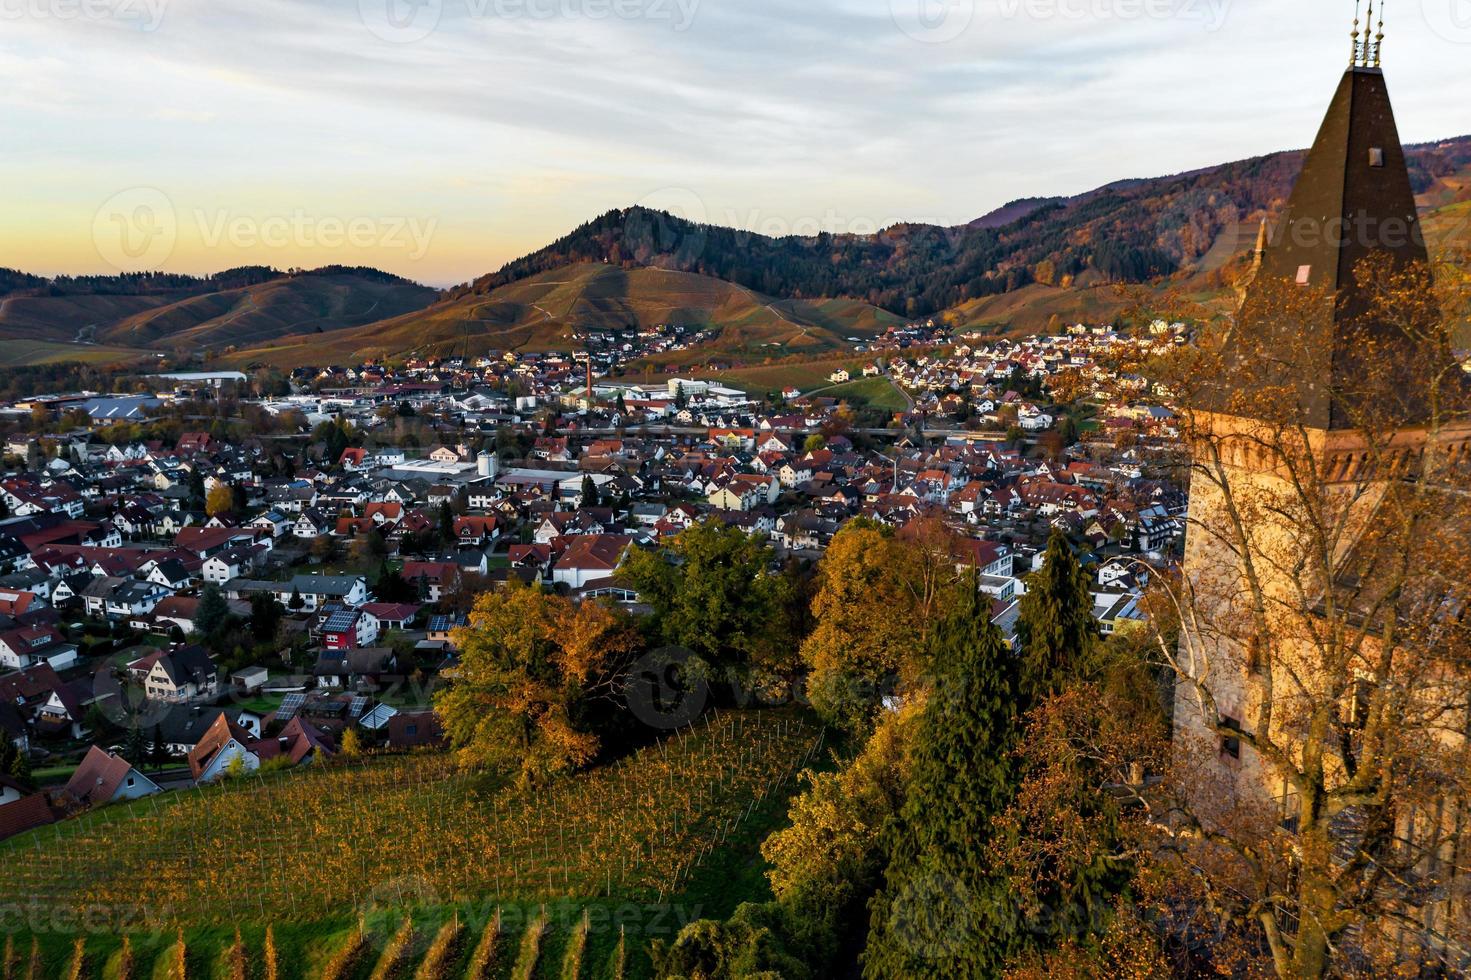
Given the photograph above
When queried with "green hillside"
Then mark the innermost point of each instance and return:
(111, 318)
(556, 309)
(308, 852)
(254, 314)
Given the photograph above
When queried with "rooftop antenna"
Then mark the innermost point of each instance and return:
(1353, 58)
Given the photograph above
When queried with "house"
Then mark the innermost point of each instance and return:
(176, 610)
(589, 557)
(16, 603)
(233, 562)
(348, 629)
(433, 578)
(393, 615)
(313, 523)
(226, 741)
(45, 701)
(441, 628)
(182, 675)
(131, 599)
(318, 590)
(219, 747)
(745, 492)
(26, 646)
(415, 730)
(104, 778)
(26, 813)
(170, 573)
(475, 532)
(10, 790)
(353, 459)
(355, 668)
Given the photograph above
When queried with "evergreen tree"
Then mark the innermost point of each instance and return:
(391, 586)
(135, 750)
(265, 616)
(1056, 632)
(8, 751)
(589, 491)
(942, 911)
(212, 610)
(446, 522)
(297, 603)
(158, 752)
(196, 488)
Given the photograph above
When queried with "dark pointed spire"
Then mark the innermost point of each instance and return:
(1353, 202)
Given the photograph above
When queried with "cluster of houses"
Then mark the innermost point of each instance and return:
(112, 539)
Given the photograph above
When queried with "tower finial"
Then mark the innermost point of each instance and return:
(1368, 36)
(1379, 38)
(1353, 56)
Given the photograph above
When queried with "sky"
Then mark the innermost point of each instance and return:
(438, 139)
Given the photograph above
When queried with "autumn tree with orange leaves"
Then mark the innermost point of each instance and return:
(531, 665)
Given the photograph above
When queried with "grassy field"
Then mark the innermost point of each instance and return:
(667, 834)
(802, 375)
(869, 392)
(22, 352)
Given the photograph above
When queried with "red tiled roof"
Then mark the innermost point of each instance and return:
(26, 814)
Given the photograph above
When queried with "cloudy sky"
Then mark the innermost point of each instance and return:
(439, 138)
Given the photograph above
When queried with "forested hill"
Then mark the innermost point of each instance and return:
(14, 282)
(1129, 231)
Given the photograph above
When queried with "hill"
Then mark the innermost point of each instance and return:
(306, 851)
(1131, 231)
(127, 315)
(315, 303)
(1030, 263)
(559, 309)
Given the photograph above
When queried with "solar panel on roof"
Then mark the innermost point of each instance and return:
(358, 706)
(290, 705)
(340, 621)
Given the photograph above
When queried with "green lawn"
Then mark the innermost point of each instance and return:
(876, 392)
